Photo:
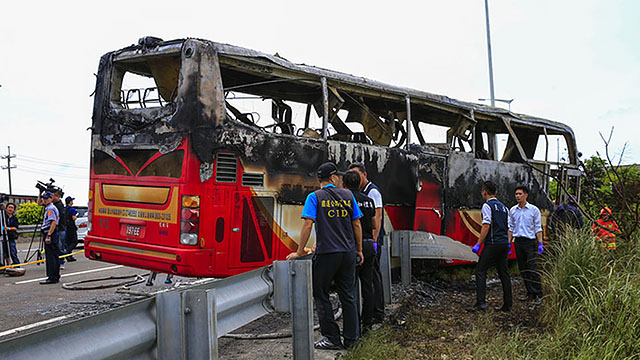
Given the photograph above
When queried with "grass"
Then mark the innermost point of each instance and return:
(591, 310)
(592, 306)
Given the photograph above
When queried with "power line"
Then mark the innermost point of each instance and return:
(48, 173)
(45, 161)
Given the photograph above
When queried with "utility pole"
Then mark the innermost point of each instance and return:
(9, 167)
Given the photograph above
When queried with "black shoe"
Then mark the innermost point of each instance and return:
(326, 344)
(71, 259)
(538, 300)
(476, 307)
(502, 308)
(47, 282)
(526, 298)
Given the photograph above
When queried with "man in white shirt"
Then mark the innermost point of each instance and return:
(525, 227)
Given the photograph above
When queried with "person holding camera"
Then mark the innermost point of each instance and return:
(11, 227)
(50, 238)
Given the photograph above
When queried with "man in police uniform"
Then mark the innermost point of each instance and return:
(336, 215)
(50, 238)
(494, 235)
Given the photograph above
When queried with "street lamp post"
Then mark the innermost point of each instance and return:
(486, 12)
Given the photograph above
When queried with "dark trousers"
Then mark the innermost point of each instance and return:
(378, 310)
(62, 246)
(527, 254)
(365, 273)
(493, 255)
(52, 252)
(72, 239)
(341, 269)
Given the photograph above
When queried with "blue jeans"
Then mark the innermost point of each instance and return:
(13, 250)
(62, 247)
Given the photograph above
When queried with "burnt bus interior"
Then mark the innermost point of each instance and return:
(273, 96)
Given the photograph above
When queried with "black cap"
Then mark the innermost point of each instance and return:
(69, 199)
(327, 169)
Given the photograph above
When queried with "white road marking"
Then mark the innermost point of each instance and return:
(31, 326)
(72, 274)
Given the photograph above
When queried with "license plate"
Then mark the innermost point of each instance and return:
(132, 230)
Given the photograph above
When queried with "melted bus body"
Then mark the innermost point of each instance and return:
(203, 169)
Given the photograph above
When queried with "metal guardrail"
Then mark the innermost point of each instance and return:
(182, 324)
(409, 244)
(25, 229)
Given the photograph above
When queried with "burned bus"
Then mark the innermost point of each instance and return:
(202, 154)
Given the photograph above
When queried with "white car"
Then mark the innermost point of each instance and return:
(81, 223)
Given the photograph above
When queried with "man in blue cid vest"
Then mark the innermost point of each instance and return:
(494, 236)
(338, 248)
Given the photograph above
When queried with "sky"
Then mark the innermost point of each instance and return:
(573, 61)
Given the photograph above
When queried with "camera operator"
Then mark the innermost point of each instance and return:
(11, 226)
(62, 224)
(50, 237)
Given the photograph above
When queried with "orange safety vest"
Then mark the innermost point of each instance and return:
(606, 237)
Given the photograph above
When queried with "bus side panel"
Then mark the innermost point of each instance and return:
(429, 208)
(401, 217)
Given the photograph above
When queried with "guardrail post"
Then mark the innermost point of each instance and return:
(302, 309)
(186, 325)
(405, 258)
(385, 269)
(201, 338)
(170, 329)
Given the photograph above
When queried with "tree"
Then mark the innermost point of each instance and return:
(608, 183)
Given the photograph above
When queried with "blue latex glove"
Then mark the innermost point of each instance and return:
(375, 246)
(509, 252)
(475, 248)
(540, 248)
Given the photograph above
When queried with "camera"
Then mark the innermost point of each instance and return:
(4, 197)
(43, 186)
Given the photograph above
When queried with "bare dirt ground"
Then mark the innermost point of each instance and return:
(428, 319)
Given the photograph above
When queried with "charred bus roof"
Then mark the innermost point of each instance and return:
(259, 72)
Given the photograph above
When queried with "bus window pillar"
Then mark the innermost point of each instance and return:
(408, 102)
(325, 105)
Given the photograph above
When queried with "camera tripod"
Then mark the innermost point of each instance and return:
(38, 252)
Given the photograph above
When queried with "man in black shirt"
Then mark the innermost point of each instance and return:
(351, 181)
(12, 225)
(61, 227)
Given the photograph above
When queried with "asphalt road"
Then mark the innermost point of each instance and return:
(25, 301)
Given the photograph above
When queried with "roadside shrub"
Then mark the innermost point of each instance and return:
(591, 307)
(29, 213)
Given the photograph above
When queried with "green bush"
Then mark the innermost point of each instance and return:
(29, 213)
(591, 308)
